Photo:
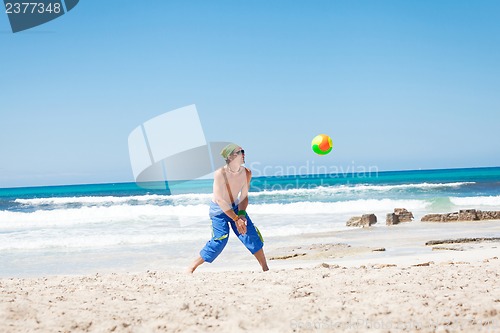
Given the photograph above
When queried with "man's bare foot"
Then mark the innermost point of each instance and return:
(195, 265)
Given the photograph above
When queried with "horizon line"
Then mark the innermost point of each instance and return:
(289, 175)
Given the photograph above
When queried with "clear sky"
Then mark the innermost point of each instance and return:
(396, 84)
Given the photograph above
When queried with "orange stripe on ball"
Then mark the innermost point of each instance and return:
(324, 145)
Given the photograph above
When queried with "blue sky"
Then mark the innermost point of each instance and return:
(396, 84)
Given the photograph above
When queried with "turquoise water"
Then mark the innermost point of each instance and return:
(80, 228)
(483, 182)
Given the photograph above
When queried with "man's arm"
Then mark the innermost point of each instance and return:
(243, 204)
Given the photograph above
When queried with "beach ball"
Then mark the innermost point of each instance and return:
(322, 144)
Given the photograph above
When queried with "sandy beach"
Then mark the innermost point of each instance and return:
(375, 280)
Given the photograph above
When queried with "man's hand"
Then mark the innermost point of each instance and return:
(241, 225)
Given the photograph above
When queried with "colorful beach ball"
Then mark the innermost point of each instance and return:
(322, 144)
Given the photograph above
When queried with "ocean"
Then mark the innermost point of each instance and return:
(82, 229)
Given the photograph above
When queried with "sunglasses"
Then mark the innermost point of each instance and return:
(239, 152)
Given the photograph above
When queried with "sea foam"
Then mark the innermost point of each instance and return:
(476, 201)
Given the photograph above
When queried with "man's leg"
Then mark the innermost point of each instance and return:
(220, 234)
(253, 240)
(261, 258)
(195, 264)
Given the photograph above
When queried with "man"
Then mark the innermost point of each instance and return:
(230, 199)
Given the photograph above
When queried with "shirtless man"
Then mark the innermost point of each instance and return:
(229, 209)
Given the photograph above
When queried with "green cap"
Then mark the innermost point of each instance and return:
(228, 150)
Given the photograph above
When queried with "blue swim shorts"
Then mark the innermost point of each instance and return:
(220, 234)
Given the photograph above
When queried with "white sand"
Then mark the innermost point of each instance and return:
(356, 291)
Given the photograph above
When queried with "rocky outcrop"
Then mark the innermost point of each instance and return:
(467, 215)
(489, 215)
(448, 217)
(391, 219)
(463, 240)
(399, 215)
(365, 220)
(462, 215)
(403, 215)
